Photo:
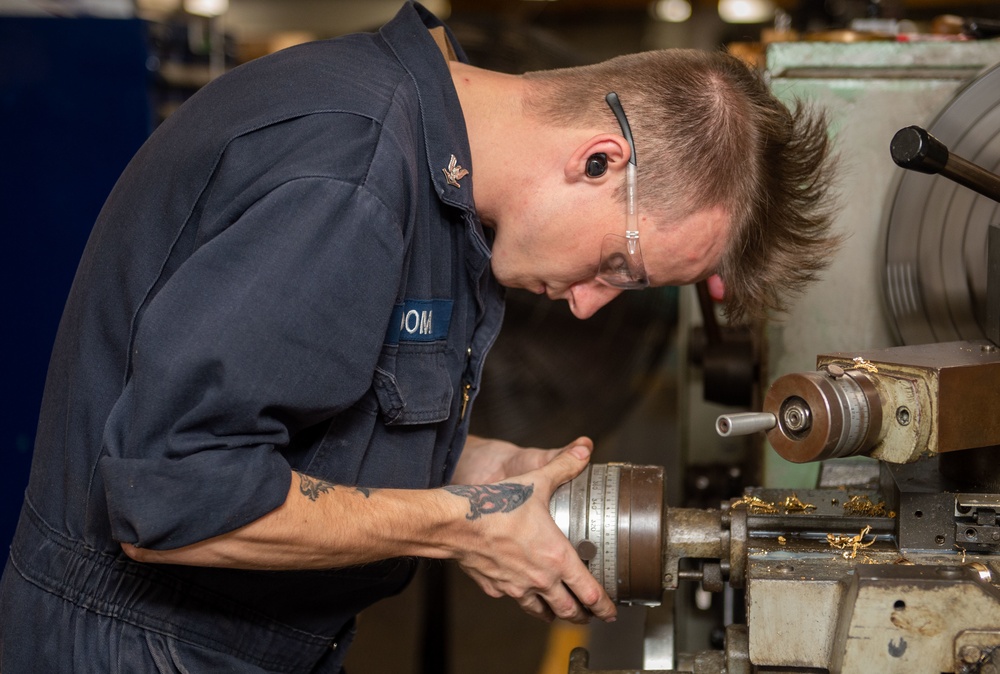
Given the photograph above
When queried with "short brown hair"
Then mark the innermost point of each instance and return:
(709, 132)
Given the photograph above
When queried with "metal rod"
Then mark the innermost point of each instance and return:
(915, 149)
(745, 423)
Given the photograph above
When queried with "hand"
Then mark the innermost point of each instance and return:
(510, 545)
(485, 461)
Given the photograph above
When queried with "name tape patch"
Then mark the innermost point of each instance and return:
(419, 321)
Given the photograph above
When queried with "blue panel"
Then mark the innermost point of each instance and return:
(74, 108)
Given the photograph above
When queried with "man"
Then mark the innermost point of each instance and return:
(267, 363)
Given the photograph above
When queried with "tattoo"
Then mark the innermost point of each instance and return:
(313, 487)
(486, 499)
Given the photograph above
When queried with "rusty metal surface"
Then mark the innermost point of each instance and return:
(807, 607)
(691, 534)
(913, 614)
(954, 388)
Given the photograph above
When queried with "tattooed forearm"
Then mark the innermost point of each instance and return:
(312, 487)
(485, 499)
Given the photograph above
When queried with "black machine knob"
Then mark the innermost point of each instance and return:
(915, 149)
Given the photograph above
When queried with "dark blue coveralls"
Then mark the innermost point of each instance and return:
(284, 276)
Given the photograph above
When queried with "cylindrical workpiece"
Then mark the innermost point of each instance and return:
(822, 416)
(613, 516)
(695, 534)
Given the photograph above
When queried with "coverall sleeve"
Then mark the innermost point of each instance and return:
(271, 327)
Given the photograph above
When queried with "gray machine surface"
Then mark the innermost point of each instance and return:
(870, 90)
(884, 555)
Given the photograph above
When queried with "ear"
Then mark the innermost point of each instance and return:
(614, 147)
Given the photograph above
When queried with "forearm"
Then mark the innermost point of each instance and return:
(322, 526)
(500, 533)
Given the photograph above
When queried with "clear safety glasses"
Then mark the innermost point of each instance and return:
(621, 260)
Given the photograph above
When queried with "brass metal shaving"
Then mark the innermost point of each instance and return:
(758, 506)
(863, 364)
(755, 505)
(793, 504)
(862, 505)
(850, 544)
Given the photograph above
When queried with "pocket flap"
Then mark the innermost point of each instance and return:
(413, 384)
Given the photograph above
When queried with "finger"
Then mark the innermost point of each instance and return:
(534, 606)
(591, 595)
(565, 605)
(603, 608)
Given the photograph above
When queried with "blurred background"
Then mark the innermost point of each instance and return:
(83, 83)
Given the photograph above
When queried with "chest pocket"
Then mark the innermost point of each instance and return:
(413, 383)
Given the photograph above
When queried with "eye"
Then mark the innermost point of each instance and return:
(616, 263)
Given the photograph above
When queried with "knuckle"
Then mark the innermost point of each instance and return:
(564, 607)
(590, 596)
(521, 595)
(538, 580)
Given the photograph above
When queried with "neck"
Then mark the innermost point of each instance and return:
(498, 133)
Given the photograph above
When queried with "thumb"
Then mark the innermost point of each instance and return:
(568, 464)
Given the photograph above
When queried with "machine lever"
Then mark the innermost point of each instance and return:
(915, 149)
(745, 423)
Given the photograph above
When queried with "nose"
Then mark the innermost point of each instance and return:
(587, 297)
